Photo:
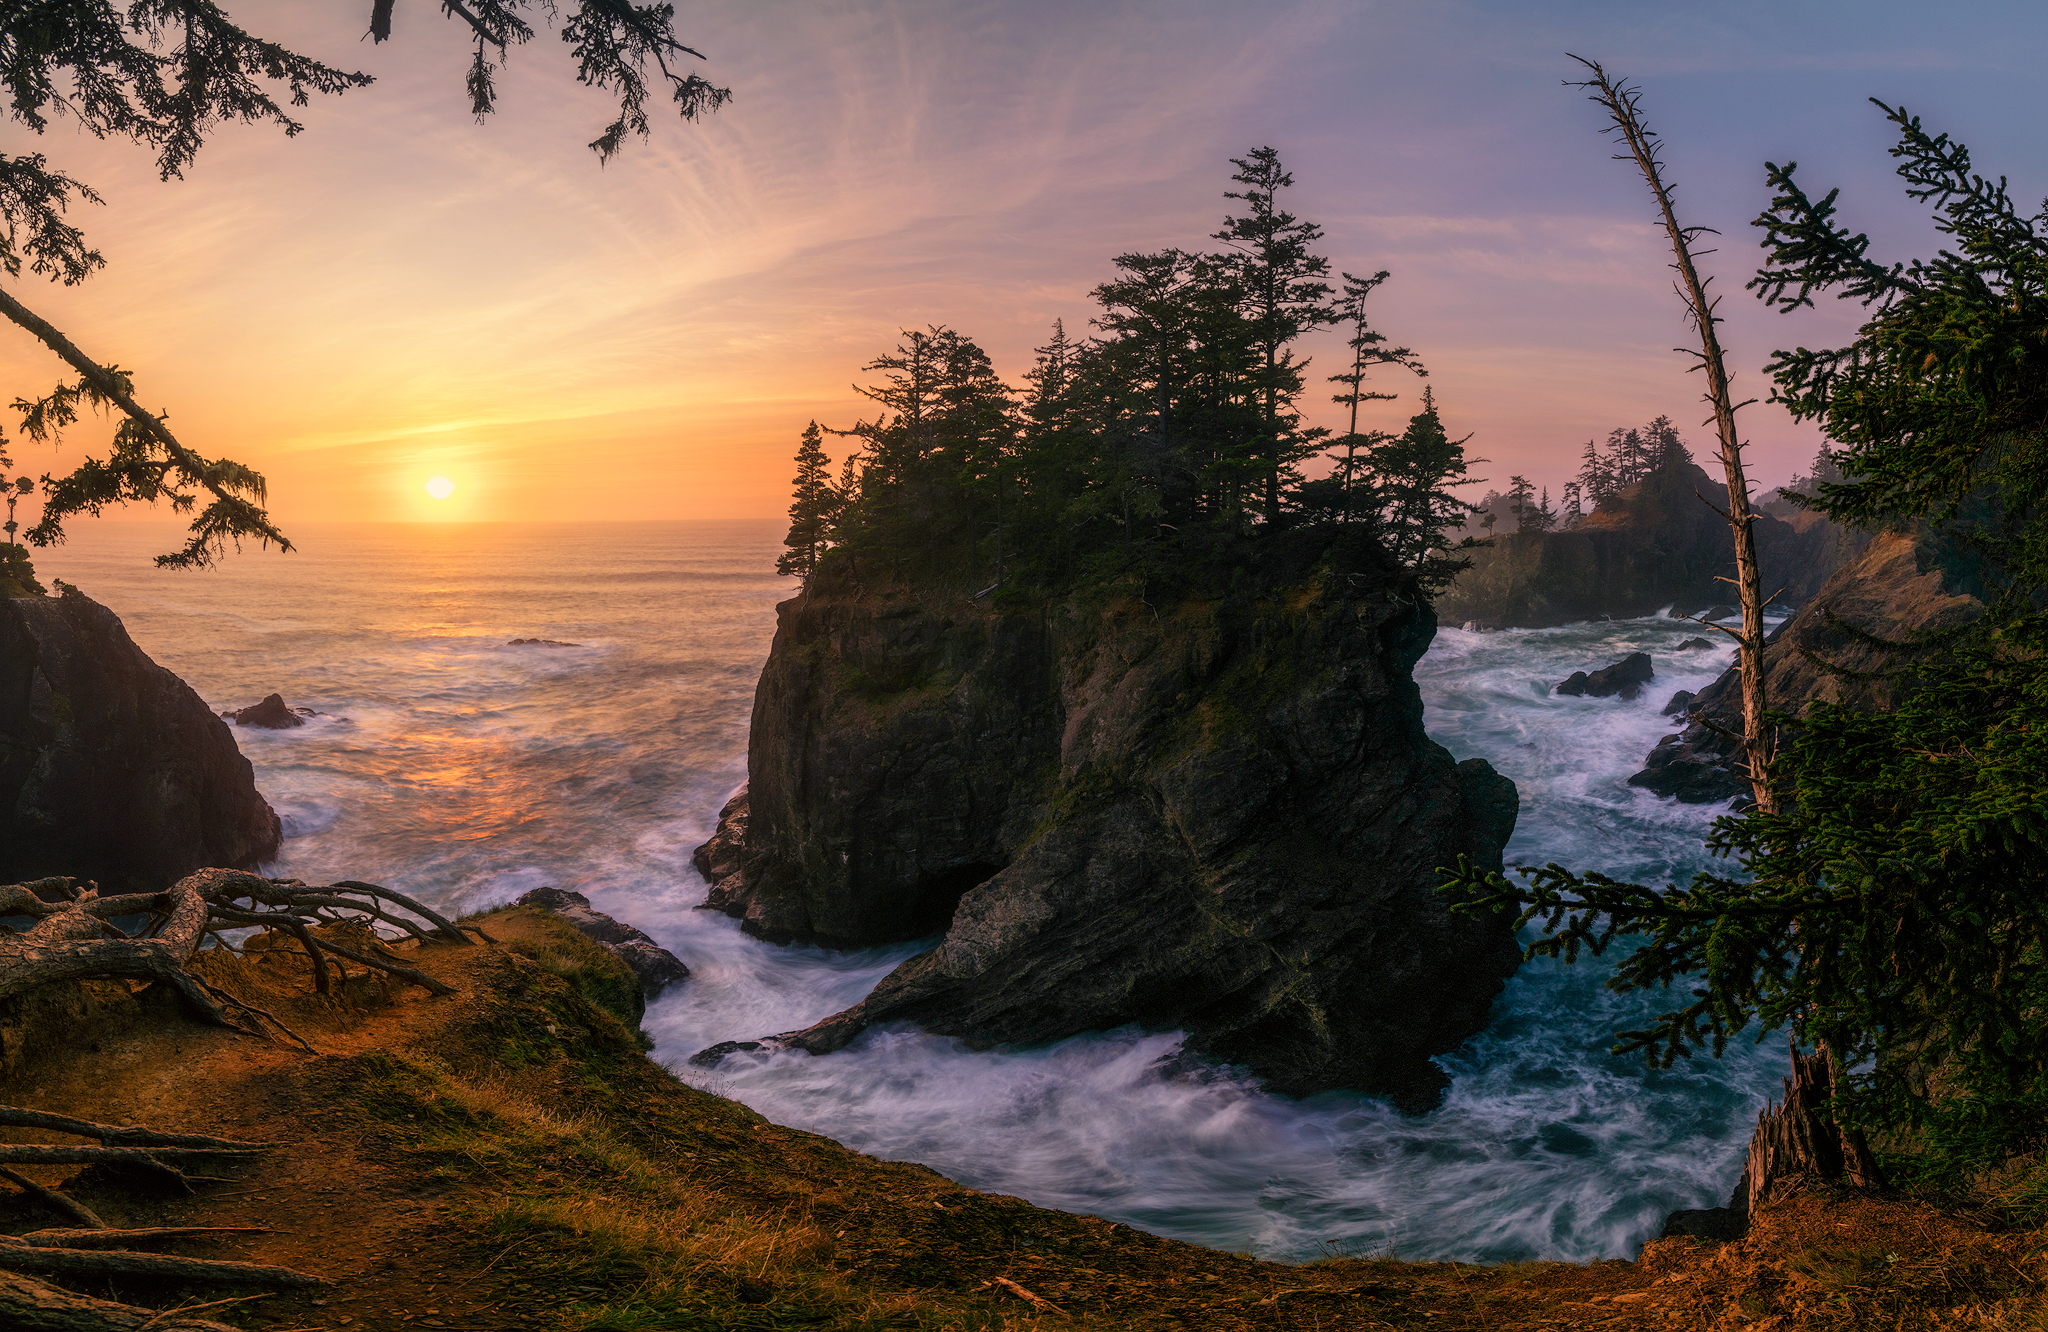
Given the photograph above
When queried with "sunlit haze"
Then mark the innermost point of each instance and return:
(404, 315)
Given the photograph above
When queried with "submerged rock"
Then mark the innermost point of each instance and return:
(539, 642)
(1625, 677)
(1694, 645)
(111, 768)
(1221, 816)
(654, 966)
(270, 713)
(1897, 587)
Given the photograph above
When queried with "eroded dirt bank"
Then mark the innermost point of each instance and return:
(506, 1158)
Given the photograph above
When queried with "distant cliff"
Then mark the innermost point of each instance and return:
(111, 768)
(1220, 815)
(1647, 547)
(1903, 583)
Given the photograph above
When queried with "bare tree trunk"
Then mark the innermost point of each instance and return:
(1622, 103)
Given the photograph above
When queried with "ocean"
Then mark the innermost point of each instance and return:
(461, 769)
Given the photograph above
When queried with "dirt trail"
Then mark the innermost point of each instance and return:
(506, 1158)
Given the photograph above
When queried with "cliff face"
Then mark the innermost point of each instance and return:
(1221, 816)
(1653, 545)
(111, 768)
(1896, 588)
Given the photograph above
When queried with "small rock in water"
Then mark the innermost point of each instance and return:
(1679, 702)
(1719, 613)
(712, 1055)
(1694, 645)
(540, 642)
(271, 713)
(1625, 677)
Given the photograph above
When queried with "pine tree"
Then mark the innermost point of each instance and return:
(1522, 503)
(1284, 296)
(812, 510)
(1366, 354)
(1416, 473)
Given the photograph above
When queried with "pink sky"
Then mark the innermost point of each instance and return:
(401, 293)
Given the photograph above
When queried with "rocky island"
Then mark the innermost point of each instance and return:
(1219, 814)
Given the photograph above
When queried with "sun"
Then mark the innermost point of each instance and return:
(440, 487)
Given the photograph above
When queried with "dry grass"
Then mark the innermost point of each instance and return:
(507, 1160)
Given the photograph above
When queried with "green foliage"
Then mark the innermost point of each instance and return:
(1162, 453)
(1896, 907)
(165, 74)
(817, 502)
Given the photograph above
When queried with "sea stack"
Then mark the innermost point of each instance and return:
(1217, 814)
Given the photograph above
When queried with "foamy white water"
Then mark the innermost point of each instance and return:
(468, 771)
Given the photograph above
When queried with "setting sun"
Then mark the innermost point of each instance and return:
(440, 487)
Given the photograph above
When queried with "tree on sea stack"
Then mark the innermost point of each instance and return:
(166, 74)
(816, 505)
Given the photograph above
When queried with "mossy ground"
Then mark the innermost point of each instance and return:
(507, 1158)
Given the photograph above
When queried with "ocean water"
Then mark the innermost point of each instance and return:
(464, 770)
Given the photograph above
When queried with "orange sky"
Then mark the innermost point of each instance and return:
(400, 293)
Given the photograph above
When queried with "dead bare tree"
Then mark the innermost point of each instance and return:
(1623, 104)
(78, 935)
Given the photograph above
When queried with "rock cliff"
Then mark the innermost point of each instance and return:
(1220, 815)
(111, 768)
(1896, 588)
(1653, 545)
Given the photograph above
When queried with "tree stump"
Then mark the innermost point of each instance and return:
(1797, 1137)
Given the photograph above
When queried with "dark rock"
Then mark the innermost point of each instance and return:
(270, 713)
(1679, 702)
(1652, 545)
(1714, 1223)
(1223, 818)
(718, 860)
(654, 966)
(1625, 677)
(1694, 645)
(540, 642)
(111, 768)
(1897, 587)
(1713, 613)
(712, 1055)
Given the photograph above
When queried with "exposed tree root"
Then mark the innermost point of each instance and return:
(114, 1239)
(54, 1200)
(36, 1306)
(75, 938)
(16, 1255)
